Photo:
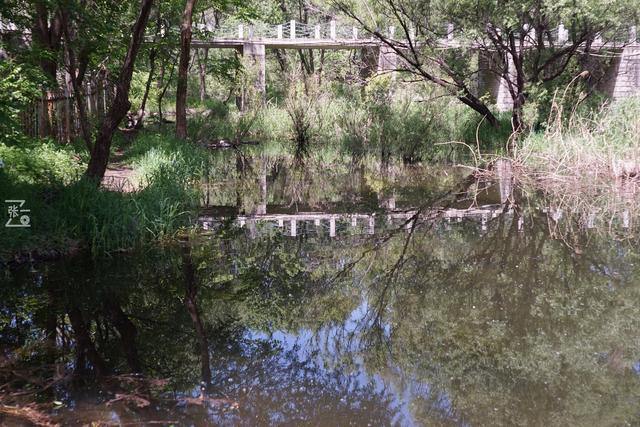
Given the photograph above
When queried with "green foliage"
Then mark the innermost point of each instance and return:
(17, 90)
(42, 162)
(385, 114)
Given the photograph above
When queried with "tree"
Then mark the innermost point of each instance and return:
(47, 33)
(522, 37)
(519, 35)
(424, 59)
(152, 65)
(121, 104)
(183, 69)
(76, 73)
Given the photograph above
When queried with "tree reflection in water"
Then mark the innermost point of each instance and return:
(444, 324)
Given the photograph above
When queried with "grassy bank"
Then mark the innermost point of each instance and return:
(68, 212)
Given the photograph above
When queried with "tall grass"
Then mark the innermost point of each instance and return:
(403, 120)
(586, 165)
(604, 143)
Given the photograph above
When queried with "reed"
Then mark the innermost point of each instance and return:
(604, 144)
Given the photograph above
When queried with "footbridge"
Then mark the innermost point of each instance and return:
(621, 79)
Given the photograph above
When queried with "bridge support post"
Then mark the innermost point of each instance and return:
(369, 59)
(505, 179)
(387, 59)
(261, 208)
(379, 59)
(253, 55)
(491, 81)
(504, 101)
(626, 78)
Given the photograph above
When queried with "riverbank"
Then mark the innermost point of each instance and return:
(159, 183)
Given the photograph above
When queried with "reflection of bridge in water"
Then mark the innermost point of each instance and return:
(490, 201)
(363, 223)
(294, 224)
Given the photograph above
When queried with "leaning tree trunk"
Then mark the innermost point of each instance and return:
(121, 104)
(183, 69)
(164, 91)
(147, 88)
(191, 303)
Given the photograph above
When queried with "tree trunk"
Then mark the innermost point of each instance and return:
(183, 69)
(76, 82)
(202, 68)
(126, 329)
(85, 348)
(121, 104)
(163, 91)
(480, 107)
(143, 104)
(47, 36)
(152, 64)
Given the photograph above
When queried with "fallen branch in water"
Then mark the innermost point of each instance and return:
(136, 399)
(28, 413)
(227, 143)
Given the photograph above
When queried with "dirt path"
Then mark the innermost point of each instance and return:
(118, 176)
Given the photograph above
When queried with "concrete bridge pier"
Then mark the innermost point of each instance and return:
(377, 59)
(369, 59)
(626, 81)
(488, 82)
(491, 79)
(504, 174)
(618, 79)
(387, 59)
(504, 101)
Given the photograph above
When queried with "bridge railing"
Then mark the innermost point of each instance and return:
(338, 30)
(292, 30)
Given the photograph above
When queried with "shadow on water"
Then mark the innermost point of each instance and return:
(393, 296)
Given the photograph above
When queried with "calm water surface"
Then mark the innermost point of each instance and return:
(339, 296)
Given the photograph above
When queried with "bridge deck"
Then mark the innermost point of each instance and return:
(270, 43)
(336, 44)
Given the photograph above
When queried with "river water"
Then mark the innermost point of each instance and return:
(355, 295)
